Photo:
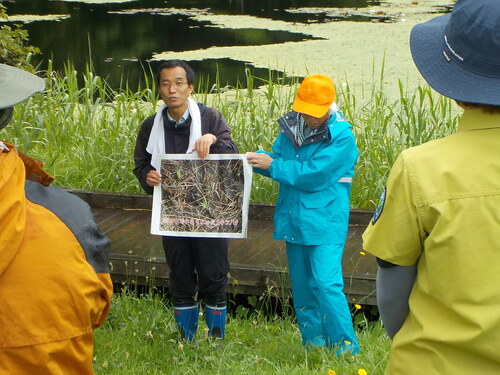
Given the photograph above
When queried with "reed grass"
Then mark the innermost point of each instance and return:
(384, 128)
(85, 131)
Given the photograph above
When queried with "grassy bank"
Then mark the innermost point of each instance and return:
(85, 132)
(140, 337)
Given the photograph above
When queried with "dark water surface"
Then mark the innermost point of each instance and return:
(119, 39)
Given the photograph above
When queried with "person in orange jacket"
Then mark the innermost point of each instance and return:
(55, 287)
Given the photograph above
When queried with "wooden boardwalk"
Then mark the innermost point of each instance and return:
(258, 262)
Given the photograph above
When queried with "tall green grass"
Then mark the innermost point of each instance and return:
(384, 128)
(85, 132)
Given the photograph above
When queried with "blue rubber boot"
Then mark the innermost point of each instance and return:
(186, 318)
(216, 320)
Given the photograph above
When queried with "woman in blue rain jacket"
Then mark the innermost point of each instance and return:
(313, 160)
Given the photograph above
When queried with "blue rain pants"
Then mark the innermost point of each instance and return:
(320, 305)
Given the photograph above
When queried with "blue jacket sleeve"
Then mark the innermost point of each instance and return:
(264, 172)
(329, 162)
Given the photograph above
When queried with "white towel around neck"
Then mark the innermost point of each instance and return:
(156, 141)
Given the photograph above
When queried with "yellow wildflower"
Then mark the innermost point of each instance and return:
(358, 307)
(362, 371)
(362, 253)
(347, 342)
(331, 372)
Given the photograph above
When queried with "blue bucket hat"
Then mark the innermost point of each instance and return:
(458, 54)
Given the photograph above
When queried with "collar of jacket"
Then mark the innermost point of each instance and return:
(289, 125)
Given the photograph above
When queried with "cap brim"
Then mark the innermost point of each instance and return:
(447, 77)
(17, 85)
(309, 109)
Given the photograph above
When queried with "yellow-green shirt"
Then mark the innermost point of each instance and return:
(442, 210)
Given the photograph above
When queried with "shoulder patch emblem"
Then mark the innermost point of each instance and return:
(380, 206)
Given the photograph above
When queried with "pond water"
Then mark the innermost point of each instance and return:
(123, 39)
(119, 38)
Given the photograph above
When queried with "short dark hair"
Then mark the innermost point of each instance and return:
(491, 109)
(5, 116)
(172, 64)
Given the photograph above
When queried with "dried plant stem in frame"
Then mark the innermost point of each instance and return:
(201, 195)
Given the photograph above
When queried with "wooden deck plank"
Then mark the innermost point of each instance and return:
(257, 262)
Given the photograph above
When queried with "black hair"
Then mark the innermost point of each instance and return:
(172, 64)
(5, 116)
(491, 109)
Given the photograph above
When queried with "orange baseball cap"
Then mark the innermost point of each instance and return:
(315, 95)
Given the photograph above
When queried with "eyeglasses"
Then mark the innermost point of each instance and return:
(177, 84)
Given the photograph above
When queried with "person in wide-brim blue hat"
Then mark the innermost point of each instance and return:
(17, 86)
(435, 231)
(458, 54)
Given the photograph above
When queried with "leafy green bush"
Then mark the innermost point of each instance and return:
(14, 47)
